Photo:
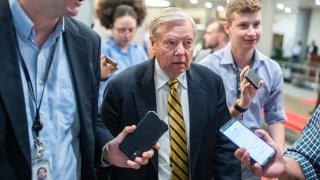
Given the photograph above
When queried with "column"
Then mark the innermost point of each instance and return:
(268, 10)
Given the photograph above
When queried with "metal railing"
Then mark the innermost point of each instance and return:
(305, 74)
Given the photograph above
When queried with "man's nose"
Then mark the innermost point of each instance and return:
(251, 31)
(179, 49)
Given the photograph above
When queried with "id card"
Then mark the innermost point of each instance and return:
(40, 166)
(41, 170)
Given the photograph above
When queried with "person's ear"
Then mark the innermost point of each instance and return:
(152, 42)
(226, 26)
(151, 38)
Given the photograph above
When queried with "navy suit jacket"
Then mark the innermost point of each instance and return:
(132, 93)
(83, 51)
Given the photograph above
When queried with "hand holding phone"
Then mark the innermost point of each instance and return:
(148, 131)
(109, 60)
(240, 135)
(252, 78)
(273, 168)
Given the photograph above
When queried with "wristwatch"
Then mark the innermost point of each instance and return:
(238, 108)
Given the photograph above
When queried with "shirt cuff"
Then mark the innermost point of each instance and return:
(104, 79)
(275, 116)
(306, 166)
(105, 163)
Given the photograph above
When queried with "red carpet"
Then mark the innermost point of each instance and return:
(295, 122)
(310, 102)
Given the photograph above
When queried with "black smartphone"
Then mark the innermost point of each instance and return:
(109, 60)
(148, 131)
(240, 135)
(252, 78)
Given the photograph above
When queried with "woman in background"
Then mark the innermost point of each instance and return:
(123, 18)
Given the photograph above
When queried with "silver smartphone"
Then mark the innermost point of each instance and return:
(240, 135)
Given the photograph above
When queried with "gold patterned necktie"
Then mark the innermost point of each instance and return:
(179, 152)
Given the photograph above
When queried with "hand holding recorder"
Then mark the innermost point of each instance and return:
(252, 78)
(249, 85)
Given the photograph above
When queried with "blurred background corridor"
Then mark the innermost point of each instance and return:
(290, 28)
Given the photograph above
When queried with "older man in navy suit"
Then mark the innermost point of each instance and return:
(194, 111)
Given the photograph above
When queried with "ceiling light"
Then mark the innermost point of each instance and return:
(194, 1)
(220, 8)
(208, 5)
(287, 10)
(280, 6)
(317, 2)
(157, 3)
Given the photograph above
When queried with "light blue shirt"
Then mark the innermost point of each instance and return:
(58, 110)
(133, 56)
(269, 98)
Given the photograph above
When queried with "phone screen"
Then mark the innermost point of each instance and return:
(259, 150)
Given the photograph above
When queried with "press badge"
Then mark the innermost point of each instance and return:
(40, 166)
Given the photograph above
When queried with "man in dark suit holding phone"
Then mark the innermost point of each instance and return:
(49, 75)
(188, 97)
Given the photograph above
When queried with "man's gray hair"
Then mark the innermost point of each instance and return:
(170, 14)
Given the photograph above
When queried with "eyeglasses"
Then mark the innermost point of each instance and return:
(172, 44)
(124, 30)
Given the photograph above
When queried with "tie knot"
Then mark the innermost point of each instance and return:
(173, 83)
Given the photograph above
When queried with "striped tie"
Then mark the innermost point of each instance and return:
(178, 142)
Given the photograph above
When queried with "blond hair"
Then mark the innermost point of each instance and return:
(241, 7)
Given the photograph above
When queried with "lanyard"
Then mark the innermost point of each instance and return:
(37, 123)
(238, 81)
